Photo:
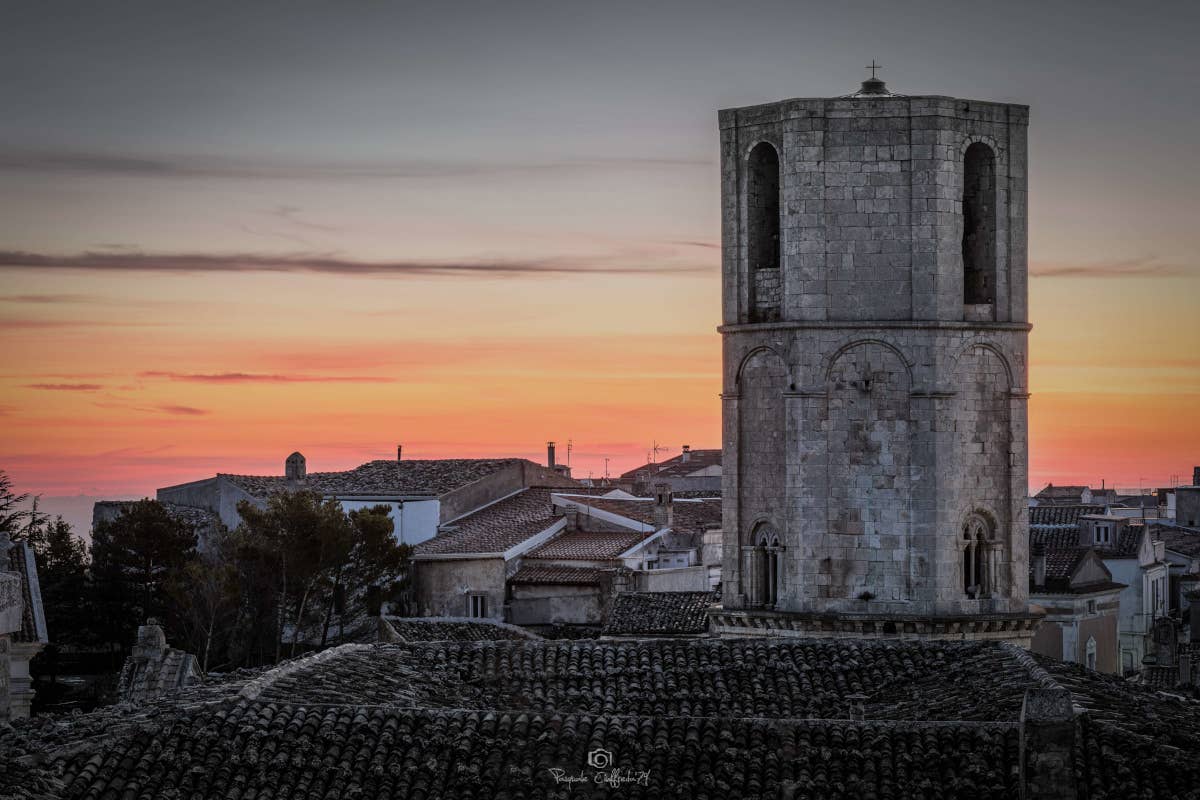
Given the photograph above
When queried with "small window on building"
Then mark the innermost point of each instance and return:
(477, 605)
(1091, 606)
(1090, 653)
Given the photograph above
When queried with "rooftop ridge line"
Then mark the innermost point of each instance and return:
(257, 686)
(1043, 678)
(531, 713)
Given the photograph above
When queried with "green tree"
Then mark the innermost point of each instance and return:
(305, 537)
(371, 557)
(62, 565)
(134, 558)
(206, 598)
(14, 518)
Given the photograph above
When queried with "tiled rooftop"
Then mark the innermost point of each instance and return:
(500, 526)
(1061, 515)
(589, 545)
(716, 719)
(1068, 538)
(532, 572)
(658, 613)
(445, 629)
(1061, 563)
(1181, 540)
(1054, 539)
(1136, 741)
(495, 528)
(387, 477)
(674, 467)
(686, 515)
(1060, 494)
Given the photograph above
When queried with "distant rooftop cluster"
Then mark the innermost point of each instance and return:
(383, 477)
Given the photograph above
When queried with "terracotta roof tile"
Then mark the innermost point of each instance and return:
(500, 526)
(674, 467)
(686, 514)
(588, 545)
(446, 629)
(1182, 540)
(552, 574)
(713, 718)
(1061, 515)
(387, 477)
(657, 613)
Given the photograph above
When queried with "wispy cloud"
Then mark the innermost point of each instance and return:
(49, 324)
(1142, 267)
(198, 166)
(186, 411)
(162, 408)
(65, 387)
(46, 299)
(253, 377)
(335, 265)
(292, 214)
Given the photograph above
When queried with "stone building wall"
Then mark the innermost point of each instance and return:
(900, 407)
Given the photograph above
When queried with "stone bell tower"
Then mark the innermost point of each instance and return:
(875, 367)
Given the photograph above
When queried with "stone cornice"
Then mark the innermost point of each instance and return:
(859, 625)
(866, 325)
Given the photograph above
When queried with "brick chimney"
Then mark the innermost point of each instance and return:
(550, 455)
(1195, 476)
(687, 454)
(1047, 742)
(399, 451)
(664, 506)
(1038, 554)
(1185, 666)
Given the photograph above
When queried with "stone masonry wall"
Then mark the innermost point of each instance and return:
(902, 408)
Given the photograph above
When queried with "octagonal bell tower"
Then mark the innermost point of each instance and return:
(875, 348)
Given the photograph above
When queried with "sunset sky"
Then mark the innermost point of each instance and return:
(229, 231)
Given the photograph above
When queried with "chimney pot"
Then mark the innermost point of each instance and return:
(687, 453)
(1039, 565)
(399, 450)
(550, 455)
(664, 511)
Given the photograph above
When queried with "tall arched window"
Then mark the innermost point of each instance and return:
(762, 232)
(979, 225)
(978, 558)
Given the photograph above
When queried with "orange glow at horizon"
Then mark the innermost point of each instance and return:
(117, 384)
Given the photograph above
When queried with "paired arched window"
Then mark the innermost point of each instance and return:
(979, 225)
(762, 232)
(764, 567)
(979, 556)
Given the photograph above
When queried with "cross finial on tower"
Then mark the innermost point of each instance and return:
(873, 66)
